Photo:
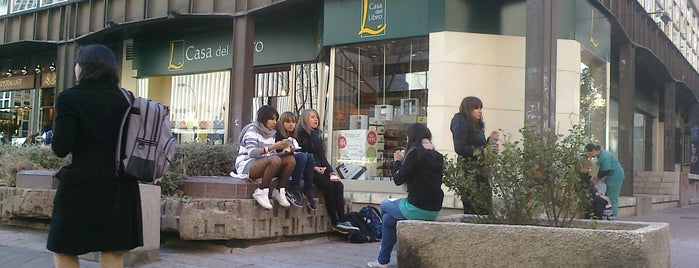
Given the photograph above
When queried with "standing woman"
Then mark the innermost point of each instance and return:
(96, 208)
(610, 171)
(325, 178)
(468, 132)
(258, 158)
(305, 163)
(421, 167)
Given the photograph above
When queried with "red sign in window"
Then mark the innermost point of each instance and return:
(341, 142)
(371, 138)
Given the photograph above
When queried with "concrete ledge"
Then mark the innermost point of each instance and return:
(453, 243)
(33, 208)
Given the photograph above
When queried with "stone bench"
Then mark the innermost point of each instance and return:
(222, 208)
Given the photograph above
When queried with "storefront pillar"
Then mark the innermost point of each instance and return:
(65, 61)
(540, 80)
(669, 115)
(242, 76)
(627, 84)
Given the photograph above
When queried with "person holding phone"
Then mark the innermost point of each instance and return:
(311, 140)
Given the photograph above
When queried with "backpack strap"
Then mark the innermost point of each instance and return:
(129, 99)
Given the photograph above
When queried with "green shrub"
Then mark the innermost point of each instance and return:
(196, 159)
(191, 159)
(538, 174)
(14, 159)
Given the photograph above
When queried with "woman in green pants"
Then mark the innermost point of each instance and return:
(610, 171)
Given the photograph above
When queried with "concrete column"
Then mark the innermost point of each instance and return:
(627, 83)
(242, 76)
(540, 80)
(669, 116)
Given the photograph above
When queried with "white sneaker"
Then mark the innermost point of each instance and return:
(376, 264)
(280, 196)
(262, 197)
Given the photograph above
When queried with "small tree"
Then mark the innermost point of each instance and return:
(538, 174)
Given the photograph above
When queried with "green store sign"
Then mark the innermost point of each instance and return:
(348, 22)
(277, 41)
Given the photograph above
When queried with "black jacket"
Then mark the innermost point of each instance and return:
(424, 178)
(468, 137)
(313, 143)
(94, 210)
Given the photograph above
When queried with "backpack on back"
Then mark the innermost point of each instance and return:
(368, 221)
(148, 144)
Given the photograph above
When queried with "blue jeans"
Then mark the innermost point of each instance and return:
(303, 170)
(390, 213)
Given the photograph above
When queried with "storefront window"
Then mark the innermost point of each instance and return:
(16, 115)
(51, 2)
(379, 89)
(198, 107)
(594, 96)
(289, 88)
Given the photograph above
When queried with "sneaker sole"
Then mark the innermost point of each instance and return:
(338, 230)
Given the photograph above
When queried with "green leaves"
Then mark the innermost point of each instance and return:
(534, 176)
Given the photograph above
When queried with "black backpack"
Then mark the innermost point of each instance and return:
(368, 220)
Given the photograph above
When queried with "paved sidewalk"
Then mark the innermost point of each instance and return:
(22, 247)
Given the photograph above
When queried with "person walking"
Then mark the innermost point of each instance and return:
(468, 131)
(421, 167)
(610, 171)
(96, 207)
(311, 140)
(258, 157)
(305, 163)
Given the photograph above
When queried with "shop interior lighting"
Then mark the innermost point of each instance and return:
(52, 67)
(24, 70)
(9, 73)
(37, 69)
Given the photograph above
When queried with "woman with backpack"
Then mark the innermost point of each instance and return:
(96, 208)
(420, 167)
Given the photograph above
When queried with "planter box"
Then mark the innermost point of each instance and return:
(449, 242)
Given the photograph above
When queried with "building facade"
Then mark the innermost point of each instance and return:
(626, 70)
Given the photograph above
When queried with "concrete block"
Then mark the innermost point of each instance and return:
(360, 197)
(449, 242)
(684, 190)
(644, 205)
(37, 179)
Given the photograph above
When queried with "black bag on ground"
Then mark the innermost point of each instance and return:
(367, 224)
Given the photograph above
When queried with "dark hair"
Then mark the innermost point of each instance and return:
(287, 117)
(469, 104)
(416, 132)
(589, 147)
(98, 64)
(265, 113)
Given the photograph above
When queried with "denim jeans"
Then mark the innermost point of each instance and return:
(390, 213)
(303, 170)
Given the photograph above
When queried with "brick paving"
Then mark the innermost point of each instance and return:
(23, 247)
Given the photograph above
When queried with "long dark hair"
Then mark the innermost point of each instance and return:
(416, 132)
(469, 104)
(589, 147)
(97, 64)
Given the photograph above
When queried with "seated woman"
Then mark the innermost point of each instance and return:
(305, 163)
(258, 158)
(311, 140)
(421, 168)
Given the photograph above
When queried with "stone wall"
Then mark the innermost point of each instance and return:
(657, 183)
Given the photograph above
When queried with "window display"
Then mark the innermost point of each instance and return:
(380, 89)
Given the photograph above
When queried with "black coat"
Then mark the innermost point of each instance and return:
(94, 209)
(424, 178)
(468, 136)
